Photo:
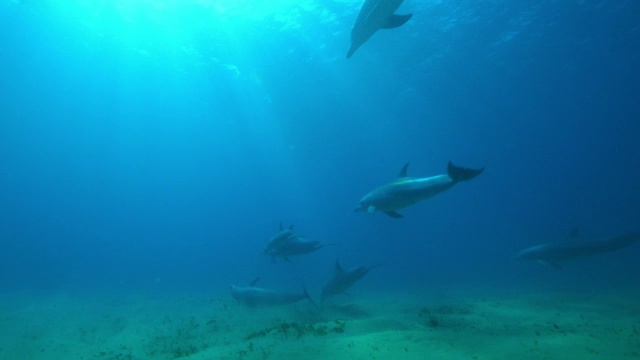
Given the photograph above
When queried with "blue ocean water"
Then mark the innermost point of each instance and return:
(158, 145)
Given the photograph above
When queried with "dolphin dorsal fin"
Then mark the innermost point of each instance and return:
(255, 281)
(403, 171)
(339, 268)
(281, 228)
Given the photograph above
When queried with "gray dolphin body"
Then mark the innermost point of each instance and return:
(343, 279)
(406, 191)
(253, 296)
(555, 254)
(281, 237)
(286, 244)
(296, 245)
(373, 16)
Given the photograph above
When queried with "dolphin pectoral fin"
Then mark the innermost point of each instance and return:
(394, 214)
(395, 21)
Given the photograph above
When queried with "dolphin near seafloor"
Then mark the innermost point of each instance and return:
(343, 279)
(253, 296)
(556, 254)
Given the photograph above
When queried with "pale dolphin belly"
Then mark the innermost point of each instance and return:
(407, 192)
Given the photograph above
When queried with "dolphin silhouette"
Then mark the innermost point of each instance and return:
(343, 279)
(281, 237)
(253, 296)
(555, 254)
(286, 244)
(373, 16)
(293, 246)
(406, 191)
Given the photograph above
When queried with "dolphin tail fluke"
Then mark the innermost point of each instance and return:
(458, 174)
(395, 21)
(306, 293)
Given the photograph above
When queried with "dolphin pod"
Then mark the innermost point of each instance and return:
(388, 198)
(391, 197)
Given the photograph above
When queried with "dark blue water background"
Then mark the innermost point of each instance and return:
(158, 145)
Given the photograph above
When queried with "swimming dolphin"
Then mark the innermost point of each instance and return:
(373, 16)
(293, 246)
(343, 280)
(555, 254)
(406, 191)
(281, 237)
(253, 296)
(286, 243)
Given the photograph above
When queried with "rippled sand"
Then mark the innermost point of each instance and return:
(463, 324)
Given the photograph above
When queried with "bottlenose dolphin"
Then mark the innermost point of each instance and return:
(253, 296)
(281, 237)
(286, 243)
(406, 191)
(373, 16)
(293, 246)
(554, 254)
(343, 279)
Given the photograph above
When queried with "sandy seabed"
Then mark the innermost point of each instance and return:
(462, 324)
